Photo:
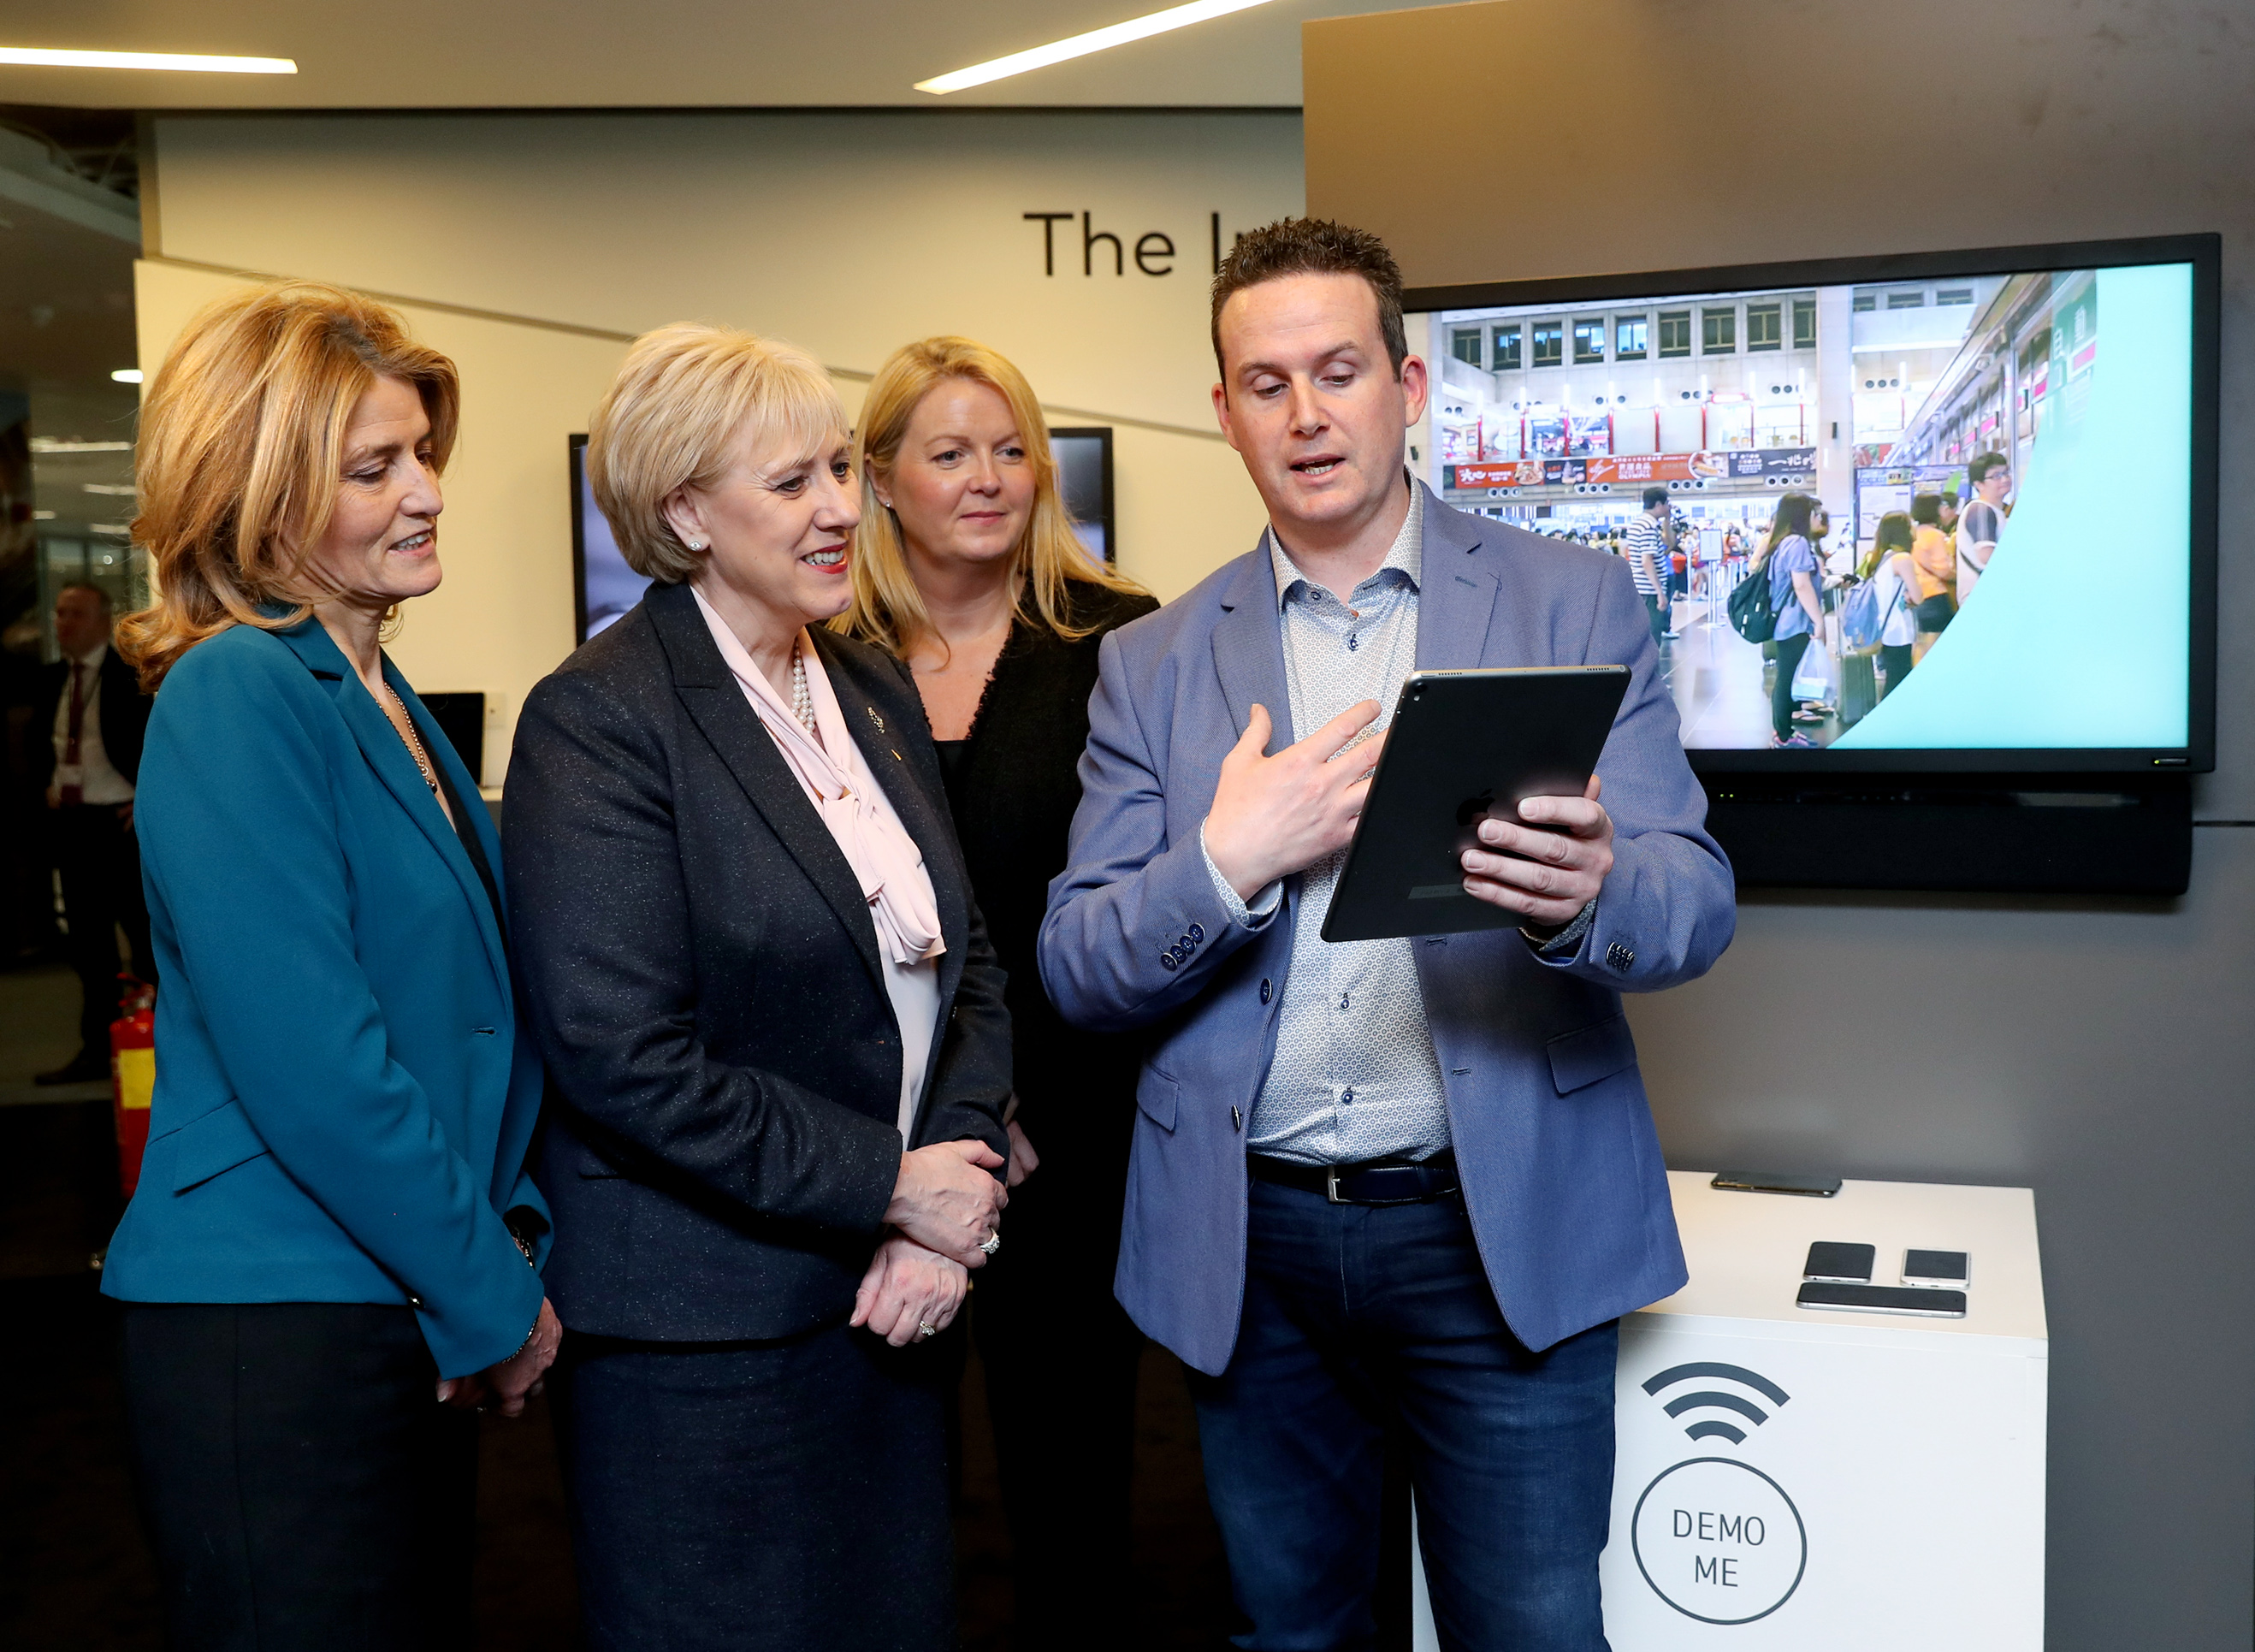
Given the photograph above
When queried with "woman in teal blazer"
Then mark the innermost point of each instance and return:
(333, 1255)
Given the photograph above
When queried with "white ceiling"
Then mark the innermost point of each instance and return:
(652, 53)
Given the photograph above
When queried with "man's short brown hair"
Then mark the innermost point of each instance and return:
(1314, 246)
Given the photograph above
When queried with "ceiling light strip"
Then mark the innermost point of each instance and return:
(1081, 44)
(39, 56)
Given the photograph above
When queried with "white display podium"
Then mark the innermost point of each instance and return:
(1790, 1478)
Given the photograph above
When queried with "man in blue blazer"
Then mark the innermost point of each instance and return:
(1404, 1186)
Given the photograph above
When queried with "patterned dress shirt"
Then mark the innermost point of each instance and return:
(1354, 1078)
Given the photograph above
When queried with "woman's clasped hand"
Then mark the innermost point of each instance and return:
(946, 1208)
(506, 1386)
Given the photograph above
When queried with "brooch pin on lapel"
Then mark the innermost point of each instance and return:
(873, 717)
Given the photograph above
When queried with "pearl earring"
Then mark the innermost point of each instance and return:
(696, 545)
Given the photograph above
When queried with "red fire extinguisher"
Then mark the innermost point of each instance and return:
(133, 1076)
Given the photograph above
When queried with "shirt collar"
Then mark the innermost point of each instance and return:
(94, 657)
(1406, 556)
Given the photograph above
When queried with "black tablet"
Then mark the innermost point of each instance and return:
(1461, 745)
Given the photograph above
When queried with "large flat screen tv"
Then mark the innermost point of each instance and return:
(1872, 388)
(604, 588)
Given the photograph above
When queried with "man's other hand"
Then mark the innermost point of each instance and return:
(1549, 869)
(1275, 816)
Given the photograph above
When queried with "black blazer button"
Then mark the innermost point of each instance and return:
(1264, 990)
(1167, 962)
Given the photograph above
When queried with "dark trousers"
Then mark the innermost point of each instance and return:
(1782, 703)
(301, 1485)
(736, 1496)
(1360, 1320)
(1060, 1356)
(100, 861)
(1656, 610)
(1894, 666)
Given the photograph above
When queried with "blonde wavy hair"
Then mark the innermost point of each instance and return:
(888, 610)
(687, 398)
(241, 451)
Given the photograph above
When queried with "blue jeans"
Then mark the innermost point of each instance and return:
(1359, 1317)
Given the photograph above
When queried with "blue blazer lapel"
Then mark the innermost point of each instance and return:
(387, 755)
(1248, 649)
(1457, 595)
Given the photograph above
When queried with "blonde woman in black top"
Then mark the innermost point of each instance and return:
(966, 565)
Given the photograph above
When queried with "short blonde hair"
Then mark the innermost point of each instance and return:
(242, 449)
(888, 610)
(685, 396)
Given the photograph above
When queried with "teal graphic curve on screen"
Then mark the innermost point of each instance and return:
(2079, 633)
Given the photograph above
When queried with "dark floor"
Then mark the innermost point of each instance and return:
(75, 1574)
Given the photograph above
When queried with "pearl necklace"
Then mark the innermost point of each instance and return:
(802, 701)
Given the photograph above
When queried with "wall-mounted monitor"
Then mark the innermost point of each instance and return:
(2038, 425)
(2082, 381)
(604, 588)
(461, 718)
(1084, 461)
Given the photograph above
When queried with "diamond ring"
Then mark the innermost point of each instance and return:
(924, 1329)
(992, 1243)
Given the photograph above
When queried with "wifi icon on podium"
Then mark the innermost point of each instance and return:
(1712, 1399)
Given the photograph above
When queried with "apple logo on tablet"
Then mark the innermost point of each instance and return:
(1473, 810)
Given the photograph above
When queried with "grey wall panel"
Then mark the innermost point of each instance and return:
(2100, 1053)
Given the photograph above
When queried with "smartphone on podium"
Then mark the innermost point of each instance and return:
(1464, 747)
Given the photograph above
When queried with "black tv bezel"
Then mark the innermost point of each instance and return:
(1103, 433)
(575, 463)
(2203, 252)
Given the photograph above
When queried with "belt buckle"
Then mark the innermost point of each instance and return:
(1331, 1185)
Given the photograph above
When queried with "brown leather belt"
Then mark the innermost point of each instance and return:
(1381, 1183)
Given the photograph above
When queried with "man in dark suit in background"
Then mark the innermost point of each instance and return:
(86, 748)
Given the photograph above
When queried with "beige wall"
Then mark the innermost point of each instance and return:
(536, 245)
(2098, 1052)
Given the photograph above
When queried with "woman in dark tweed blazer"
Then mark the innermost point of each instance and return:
(777, 1039)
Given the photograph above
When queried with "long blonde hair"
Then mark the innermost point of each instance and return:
(241, 451)
(888, 610)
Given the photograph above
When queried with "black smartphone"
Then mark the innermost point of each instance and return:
(1841, 1264)
(1920, 1301)
(1775, 1182)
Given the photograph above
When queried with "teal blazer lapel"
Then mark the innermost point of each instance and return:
(1248, 649)
(716, 704)
(387, 755)
(1457, 595)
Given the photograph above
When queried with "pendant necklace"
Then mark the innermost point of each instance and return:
(413, 742)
